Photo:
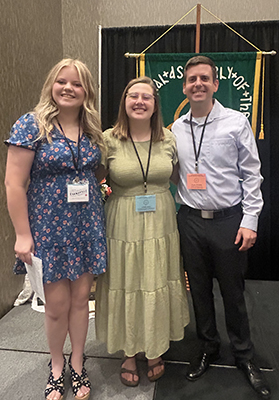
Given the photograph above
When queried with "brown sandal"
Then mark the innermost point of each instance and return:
(154, 377)
(134, 372)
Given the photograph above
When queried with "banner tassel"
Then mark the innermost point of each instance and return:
(261, 134)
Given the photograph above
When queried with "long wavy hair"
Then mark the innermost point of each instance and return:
(46, 110)
(121, 128)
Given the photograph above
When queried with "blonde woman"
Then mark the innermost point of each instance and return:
(141, 300)
(56, 149)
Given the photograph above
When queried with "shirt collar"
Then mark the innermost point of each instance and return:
(214, 113)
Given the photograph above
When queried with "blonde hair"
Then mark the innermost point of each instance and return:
(121, 128)
(46, 110)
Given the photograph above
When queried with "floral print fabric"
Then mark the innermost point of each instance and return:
(69, 237)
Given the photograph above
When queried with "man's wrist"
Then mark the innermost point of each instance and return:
(249, 222)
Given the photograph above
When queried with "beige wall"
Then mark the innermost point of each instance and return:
(165, 12)
(30, 44)
(80, 31)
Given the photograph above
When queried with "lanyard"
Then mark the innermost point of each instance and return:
(148, 162)
(197, 154)
(75, 160)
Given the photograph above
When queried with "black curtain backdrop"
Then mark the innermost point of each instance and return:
(118, 70)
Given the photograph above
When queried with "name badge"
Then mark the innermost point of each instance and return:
(146, 203)
(196, 181)
(78, 192)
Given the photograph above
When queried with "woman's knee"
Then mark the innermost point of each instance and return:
(80, 290)
(80, 300)
(57, 299)
(56, 309)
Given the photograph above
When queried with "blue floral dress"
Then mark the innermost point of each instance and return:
(69, 237)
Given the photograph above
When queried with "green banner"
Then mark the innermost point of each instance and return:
(238, 74)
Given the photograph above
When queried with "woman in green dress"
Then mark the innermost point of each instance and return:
(141, 302)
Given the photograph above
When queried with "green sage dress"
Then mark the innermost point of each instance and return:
(141, 301)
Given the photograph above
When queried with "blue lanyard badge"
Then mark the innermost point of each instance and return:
(146, 203)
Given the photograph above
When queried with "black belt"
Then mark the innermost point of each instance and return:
(214, 214)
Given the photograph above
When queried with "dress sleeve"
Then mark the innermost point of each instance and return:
(107, 142)
(170, 138)
(24, 133)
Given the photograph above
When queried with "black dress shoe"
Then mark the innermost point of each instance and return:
(200, 365)
(255, 378)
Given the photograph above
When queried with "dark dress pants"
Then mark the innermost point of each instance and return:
(209, 251)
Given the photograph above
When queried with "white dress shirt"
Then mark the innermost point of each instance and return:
(229, 158)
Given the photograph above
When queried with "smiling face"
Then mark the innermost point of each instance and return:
(199, 86)
(140, 102)
(67, 90)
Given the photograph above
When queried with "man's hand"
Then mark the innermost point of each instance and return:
(248, 238)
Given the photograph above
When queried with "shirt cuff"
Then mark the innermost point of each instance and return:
(249, 222)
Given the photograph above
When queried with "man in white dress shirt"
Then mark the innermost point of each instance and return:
(219, 192)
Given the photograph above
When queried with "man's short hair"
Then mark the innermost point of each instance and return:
(200, 60)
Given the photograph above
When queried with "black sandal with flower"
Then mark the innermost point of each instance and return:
(78, 381)
(55, 384)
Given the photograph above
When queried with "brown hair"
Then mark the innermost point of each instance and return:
(201, 60)
(121, 128)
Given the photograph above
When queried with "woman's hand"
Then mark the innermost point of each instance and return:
(24, 246)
